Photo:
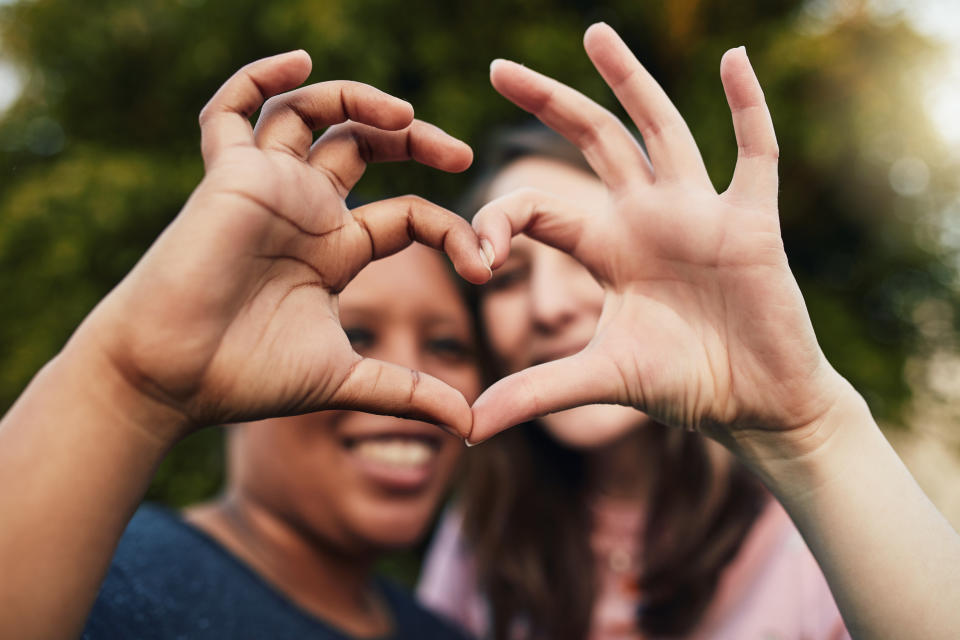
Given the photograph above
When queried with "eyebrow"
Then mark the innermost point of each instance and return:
(443, 320)
(374, 313)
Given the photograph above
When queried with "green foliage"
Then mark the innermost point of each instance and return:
(101, 149)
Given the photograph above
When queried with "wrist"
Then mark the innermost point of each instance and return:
(798, 461)
(84, 373)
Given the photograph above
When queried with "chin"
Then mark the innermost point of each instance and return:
(593, 426)
(396, 525)
(393, 536)
(396, 541)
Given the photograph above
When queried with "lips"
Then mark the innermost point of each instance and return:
(396, 452)
(396, 460)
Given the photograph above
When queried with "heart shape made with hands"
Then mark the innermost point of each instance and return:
(703, 325)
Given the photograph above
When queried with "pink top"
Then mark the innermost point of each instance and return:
(773, 589)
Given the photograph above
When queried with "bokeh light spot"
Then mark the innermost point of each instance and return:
(909, 176)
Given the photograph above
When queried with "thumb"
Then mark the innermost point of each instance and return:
(583, 378)
(380, 387)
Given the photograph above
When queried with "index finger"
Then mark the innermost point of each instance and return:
(345, 150)
(672, 149)
(387, 226)
(287, 122)
(225, 119)
(549, 219)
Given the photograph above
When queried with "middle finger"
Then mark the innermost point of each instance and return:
(606, 144)
(672, 149)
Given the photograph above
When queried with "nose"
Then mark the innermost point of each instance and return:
(400, 346)
(553, 303)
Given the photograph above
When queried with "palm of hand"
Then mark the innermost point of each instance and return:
(702, 312)
(281, 266)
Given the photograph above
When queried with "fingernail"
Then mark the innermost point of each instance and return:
(486, 249)
(494, 62)
(469, 444)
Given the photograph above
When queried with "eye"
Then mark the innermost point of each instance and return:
(451, 348)
(360, 338)
(507, 277)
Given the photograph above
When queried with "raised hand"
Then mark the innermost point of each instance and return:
(232, 314)
(703, 325)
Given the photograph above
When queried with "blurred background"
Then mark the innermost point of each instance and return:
(99, 147)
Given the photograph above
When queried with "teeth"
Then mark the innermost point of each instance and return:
(398, 453)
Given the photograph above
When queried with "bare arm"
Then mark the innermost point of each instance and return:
(75, 460)
(891, 559)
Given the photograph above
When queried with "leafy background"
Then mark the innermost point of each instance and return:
(100, 149)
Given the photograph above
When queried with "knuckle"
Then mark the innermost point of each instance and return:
(413, 200)
(343, 85)
(528, 193)
(414, 385)
(588, 136)
(247, 68)
(205, 115)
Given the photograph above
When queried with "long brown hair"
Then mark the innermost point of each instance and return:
(527, 513)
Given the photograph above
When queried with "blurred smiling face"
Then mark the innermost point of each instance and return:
(542, 305)
(359, 481)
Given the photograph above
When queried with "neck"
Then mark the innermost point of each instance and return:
(321, 579)
(622, 468)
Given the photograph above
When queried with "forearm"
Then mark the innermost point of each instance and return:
(74, 463)
(891, 559)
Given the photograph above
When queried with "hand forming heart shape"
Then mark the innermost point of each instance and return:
(232, 314)
(703, 325)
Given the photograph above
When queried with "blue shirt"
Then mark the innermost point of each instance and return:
(171, 581)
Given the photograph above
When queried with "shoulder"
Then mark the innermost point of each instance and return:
(448, 580)
(162, 557)
(774, 587)
(169, 579)
(135, 598)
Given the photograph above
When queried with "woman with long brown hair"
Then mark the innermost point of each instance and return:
(597, 521)
(694, 318)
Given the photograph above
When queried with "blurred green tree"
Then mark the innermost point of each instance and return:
(101, 148)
